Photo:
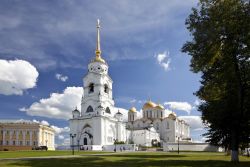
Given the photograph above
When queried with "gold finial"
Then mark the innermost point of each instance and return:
(98, 47)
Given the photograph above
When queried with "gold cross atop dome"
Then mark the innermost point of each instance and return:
(98, 52)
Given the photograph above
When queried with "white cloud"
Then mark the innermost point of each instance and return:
(183, 106)
(44, 122)
(61, 137)
(59, 30)
(60, 130)
(197, 102)
(195, 122)
(133, 101)
(16, 76)
(61, 77)
(58, 105)
(164, 60)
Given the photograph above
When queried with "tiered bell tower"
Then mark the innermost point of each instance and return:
(97, 98)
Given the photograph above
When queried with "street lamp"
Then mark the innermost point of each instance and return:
(1, 131)
(178, 144)
(115, 140)
(46, 141)
(72, 139)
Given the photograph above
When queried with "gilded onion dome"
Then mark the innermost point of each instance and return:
(133, 109)
(159, 107)
(149, 105)
(98, 59)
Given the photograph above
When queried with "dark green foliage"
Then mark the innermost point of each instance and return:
(220, 51)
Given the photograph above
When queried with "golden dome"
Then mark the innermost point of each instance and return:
(133, 109)
(98, 59)
(159, 107)
(149, 105)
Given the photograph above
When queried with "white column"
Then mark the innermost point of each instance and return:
(4, 137)
(24, 135)
(17, 134)
(10, 135)
(30, 132)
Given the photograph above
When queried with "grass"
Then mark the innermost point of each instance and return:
(19, 154)
(136, 159)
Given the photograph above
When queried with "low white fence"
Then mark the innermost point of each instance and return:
(190, 147)
(117, 147)
(120, 147)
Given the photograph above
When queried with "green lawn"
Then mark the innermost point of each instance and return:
(139, 159)
(18, 154)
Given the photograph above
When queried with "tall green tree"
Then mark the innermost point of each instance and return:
(220, 51)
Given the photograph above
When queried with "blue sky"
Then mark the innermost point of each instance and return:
(45, 47)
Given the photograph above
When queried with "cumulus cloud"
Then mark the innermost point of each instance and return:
(61, 137)
(58, 105)
(182, 106)
(60, 133)
(66, 32)
(164, 60)
(129, 100)
(197, 102)
(16, 76)
(61, 77)
(195, 122)
(59, 130)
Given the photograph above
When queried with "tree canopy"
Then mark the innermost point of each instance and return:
(220, 51)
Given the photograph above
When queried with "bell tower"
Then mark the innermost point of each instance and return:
(97, 98)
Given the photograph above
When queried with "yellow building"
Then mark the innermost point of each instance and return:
(24, 135)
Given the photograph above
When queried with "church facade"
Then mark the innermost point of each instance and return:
(100, 123)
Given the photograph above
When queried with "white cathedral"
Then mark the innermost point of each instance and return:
(100, 123)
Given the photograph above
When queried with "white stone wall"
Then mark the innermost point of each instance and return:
(189, 147)
(144, 137)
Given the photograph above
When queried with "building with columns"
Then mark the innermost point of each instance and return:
(101, 123)
(24, 135)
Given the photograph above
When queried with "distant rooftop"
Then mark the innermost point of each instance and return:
(9, 121)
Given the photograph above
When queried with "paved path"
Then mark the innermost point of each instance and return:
(62, 156)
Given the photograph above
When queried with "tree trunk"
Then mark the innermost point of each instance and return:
(235, 156)
(235, 146)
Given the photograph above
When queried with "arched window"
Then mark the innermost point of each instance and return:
(90, 109)
(91, 88)
(106, 88)
(107, 110)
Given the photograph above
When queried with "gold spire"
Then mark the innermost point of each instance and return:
(98, 52)
(98, 47)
